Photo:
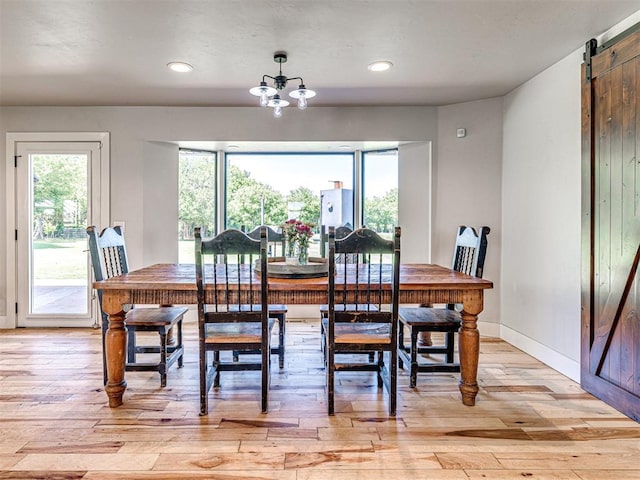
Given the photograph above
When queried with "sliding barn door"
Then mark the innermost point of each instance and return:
(610, 353)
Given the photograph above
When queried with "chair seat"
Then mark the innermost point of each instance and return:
(436, 319)
(427, 319)
(276, 310)
(361, 333)
(241, 332)
(161, 316)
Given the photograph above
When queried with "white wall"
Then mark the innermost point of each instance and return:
(144, 176)
(467, 189)
(542, 214)
(160, 197)
(414, 201)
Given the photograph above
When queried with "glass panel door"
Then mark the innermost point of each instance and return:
(54, 204)
(196, 199)
(380, 191)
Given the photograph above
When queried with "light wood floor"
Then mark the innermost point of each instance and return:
(529, 421)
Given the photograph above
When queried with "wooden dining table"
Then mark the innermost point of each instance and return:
(174, 284)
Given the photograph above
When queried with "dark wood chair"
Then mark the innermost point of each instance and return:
(359, 327)
(275, 242)
(468, 257)
(340, 232)
(109, 258)
(232, 314)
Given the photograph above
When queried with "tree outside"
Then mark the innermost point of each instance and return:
(310, 212)
(381, 212)
(197, 194)
(59, 196)
(252, 201)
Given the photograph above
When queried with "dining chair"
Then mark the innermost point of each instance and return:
(340, 232)
(361, 328)
(233, 310)
(109, 258)
(468, 257)
(275, 242)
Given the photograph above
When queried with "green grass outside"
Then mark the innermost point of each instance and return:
(60, 259)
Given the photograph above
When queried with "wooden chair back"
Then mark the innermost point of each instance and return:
(340, 232)
(369, 276)
(227, 252)
(233, 312)
(108, 259)
(470, 250)
(275, 240)
(108, 252)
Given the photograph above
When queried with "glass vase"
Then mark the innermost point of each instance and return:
(303, 255)
(291, 254)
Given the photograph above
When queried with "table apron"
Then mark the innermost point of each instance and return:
(189, 297)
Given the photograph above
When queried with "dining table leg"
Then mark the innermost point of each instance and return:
(470, 346)
(115, 348)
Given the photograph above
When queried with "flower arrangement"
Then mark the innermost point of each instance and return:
(297, 233)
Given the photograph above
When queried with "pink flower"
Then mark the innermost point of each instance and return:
(297, 232)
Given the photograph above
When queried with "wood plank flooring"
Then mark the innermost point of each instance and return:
(529, 421)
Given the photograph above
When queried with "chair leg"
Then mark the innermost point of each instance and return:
(105, 327)
(216, 362)
(131, 345)
(204, 393)
(281, 335)
(266, 360)
(162, 366)
(380, 368)
(331, 370)
(450, 346)
(322, 337)
(413, 375)
(400, 344)
(181, 357)
(393, 381)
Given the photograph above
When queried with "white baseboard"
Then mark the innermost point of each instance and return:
(489, 329)
(546, 355)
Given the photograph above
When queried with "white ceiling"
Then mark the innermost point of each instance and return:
(114, 52)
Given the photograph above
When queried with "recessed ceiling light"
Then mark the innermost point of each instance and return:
(233, 147)
(380, 66)
(345, 147)
(180, 67)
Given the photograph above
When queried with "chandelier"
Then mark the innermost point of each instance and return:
(270, 96)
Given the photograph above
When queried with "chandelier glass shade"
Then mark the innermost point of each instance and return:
(270, 96)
